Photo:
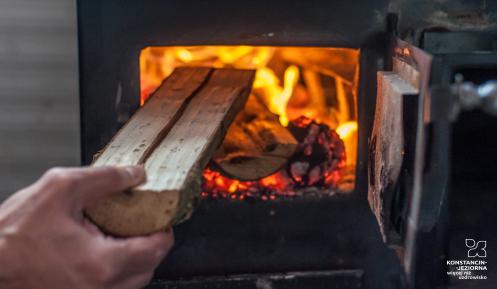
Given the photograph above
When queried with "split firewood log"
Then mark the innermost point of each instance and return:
(256, 144)
(173, 135)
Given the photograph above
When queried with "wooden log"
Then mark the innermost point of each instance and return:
(174, 165)
(256, 144)
(386, 149)
(147, 127)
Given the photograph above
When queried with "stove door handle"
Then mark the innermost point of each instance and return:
(471, 96)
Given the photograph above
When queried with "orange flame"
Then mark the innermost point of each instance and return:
(155, 66)
(283, 84)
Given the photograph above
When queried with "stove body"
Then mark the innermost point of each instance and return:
(333, 240)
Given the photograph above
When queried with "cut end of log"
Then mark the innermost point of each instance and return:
(135, 213)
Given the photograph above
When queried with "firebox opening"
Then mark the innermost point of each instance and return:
(312, 92)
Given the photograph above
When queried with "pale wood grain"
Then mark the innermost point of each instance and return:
(174, 166)
(199, 130)
(148, 126)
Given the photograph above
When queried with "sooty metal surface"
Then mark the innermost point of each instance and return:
(344, 279)
(333, 233)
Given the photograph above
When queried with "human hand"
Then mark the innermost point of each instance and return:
(46, 242)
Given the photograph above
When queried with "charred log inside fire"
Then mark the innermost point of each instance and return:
(320, 155)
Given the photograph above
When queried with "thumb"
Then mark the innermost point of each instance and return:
(84, 186)
(100, 182)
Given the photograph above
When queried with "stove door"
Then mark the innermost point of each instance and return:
(408, 165)
(393, 138)
(395, 143)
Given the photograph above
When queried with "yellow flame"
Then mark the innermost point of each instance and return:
(277, 96)
(233, 187)
(347, 129)
(265, 78)
(279, 102)
(230, 55)
(184, 55)
(348, 133)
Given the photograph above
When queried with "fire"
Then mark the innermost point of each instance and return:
(292, 82)
(345, 130)
(322, 150)
(277, 94)
(218, 186)
(348, 133)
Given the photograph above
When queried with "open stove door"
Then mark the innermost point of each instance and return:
(409, 166)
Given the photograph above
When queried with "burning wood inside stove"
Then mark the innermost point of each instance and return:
(318, 162)
(256, 144)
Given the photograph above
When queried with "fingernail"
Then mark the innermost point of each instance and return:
(136, 172)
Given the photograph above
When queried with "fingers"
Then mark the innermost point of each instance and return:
(86, 185)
